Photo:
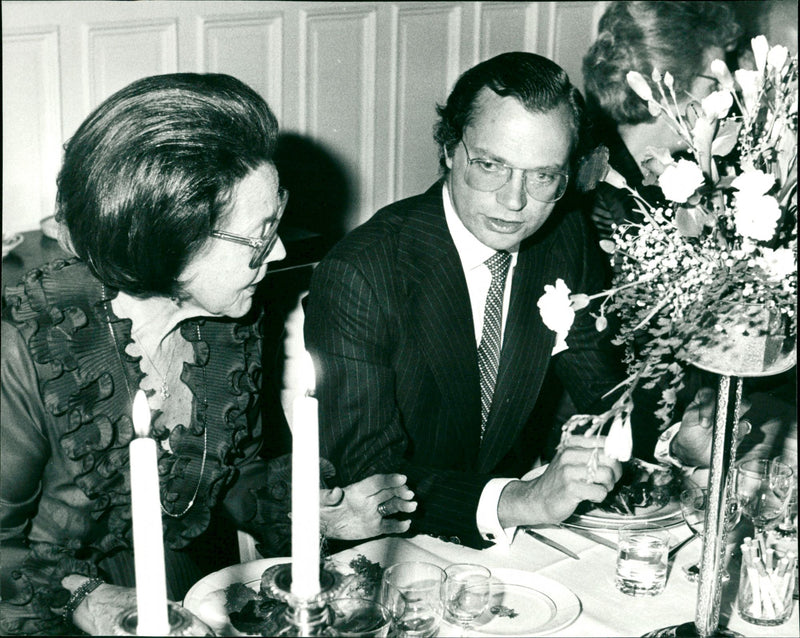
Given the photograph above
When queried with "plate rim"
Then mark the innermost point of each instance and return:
(237, 573)
(11, 242)
(566, 602)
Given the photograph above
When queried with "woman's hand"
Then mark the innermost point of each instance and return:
(101, 612)
(352, 513)
(692, 443)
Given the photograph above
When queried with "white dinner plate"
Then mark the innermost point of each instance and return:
(526, 604)
(668, 515)
(10, 242)
(248, 573)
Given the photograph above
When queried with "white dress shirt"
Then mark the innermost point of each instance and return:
(473, 254)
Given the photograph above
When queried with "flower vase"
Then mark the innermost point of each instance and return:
(753, 342)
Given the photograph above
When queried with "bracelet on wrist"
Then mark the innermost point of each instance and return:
(77, 598)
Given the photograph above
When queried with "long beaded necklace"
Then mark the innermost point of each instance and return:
(164, 389)
(205, 408)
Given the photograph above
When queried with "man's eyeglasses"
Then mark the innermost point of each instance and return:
(486, 175)
(263, 245)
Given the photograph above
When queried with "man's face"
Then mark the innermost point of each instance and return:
(502, 130)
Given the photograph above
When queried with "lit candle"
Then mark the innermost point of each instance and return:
(305, 492)
(148, 539)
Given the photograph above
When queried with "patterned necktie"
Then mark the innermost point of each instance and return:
(489, 348)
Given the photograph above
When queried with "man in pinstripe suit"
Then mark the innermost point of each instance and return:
(395, 318)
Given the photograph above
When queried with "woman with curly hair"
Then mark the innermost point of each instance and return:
(681, 38)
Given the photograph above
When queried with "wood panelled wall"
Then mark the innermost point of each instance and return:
(359, 80)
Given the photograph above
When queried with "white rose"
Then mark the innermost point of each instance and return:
(679, 181)
(619, 440)
(760, 48)
(723, 74)
(750, 82)
(717, 104)
(639, 85)
(778, 263)
(557, 313)
(613, 178)
(756, 217)
(777, 56)
(753, 183)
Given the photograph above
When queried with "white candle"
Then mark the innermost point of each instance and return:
(305, 493)
(148, 539)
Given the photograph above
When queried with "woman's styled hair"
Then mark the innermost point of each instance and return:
(151, 171)
(538, 83)
(641, 36)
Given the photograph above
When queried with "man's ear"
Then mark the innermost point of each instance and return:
(447, 159)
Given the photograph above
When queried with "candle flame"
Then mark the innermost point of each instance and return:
(141, 414)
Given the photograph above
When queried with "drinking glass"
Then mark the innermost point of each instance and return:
(359, 618)
(763, 489)
(788, 525)
(467, 591)
(766, 586)
(413, 594)
(642, 559)
(693, 508)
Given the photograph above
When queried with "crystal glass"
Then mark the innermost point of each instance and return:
(693, 508)
(358, 618)
(763, 490)
(642, 560)
(766, 587)
(413, 594)
(467, 592)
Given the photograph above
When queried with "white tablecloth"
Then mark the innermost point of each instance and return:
(605, 611)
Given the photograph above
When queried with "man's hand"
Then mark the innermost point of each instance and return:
(101, 612)
(571, 477)
(352, 513)
(692, 443)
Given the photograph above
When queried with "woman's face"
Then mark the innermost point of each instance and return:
(219, 280)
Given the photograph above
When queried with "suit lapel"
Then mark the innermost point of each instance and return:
(439, 310)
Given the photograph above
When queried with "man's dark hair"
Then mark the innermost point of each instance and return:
(151, 172)
(538, 83)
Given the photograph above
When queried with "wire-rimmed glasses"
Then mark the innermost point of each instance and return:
(262, 245)
(542, 184)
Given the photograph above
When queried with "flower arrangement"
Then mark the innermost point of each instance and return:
(698, 271)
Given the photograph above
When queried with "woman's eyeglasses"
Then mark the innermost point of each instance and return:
(262, 245)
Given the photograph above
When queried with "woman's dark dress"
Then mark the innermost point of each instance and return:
(67, 385)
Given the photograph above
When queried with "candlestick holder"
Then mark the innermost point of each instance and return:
(304, 616)
(181, 621)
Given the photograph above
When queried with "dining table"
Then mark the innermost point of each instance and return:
(572, 597)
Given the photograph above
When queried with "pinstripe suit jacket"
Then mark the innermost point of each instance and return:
(389, 325)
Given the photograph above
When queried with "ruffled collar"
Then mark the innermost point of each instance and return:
(87, 380)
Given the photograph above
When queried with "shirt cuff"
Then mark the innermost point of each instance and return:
(662, 452)
(486, 517)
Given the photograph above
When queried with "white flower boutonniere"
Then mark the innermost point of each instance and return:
(557, 312)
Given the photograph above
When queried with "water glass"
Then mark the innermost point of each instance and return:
(468, 590)
(642, 560)
(763, 488)
(359, 617)
(766, 589)
(413, 594)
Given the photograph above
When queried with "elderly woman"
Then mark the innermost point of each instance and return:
(681, 38)
(170, 199)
